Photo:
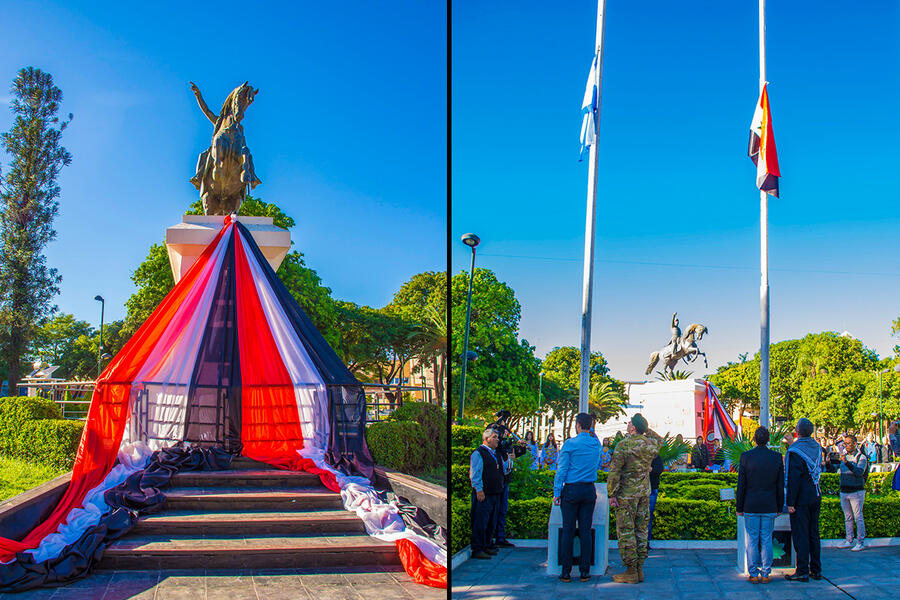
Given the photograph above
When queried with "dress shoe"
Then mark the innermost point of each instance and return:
(796, 577)
(565, 578)
(481, 554)
(505, 544)
(764, 579)
(585, 578)
(816, 576)
(753, 579)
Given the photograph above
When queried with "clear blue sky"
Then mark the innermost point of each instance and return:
(348, 132)
(680, 84)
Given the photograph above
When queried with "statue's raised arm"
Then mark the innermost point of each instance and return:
(209, 114)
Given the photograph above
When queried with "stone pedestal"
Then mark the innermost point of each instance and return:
(186, 241)
(781, 537)
(599, 529)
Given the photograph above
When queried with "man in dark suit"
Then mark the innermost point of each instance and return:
(803, 464)
(760, 497)
(486, 475)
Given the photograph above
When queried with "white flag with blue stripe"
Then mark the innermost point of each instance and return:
(589, 108)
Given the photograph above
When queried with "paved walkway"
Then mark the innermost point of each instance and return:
(519, 573)
(276, 584)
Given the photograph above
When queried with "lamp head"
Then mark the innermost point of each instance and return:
(471, 240)
(98, 298)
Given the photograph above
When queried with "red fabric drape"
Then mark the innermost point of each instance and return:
(420, 568)
(270, 423)
(109, 410)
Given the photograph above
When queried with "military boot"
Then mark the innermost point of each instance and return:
(629, 576)
(639, 567)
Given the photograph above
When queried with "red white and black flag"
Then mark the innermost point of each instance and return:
(762, 147)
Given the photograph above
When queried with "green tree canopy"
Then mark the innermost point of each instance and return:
(505, 372)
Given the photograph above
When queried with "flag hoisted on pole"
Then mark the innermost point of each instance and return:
(590, 128)
(762, 151)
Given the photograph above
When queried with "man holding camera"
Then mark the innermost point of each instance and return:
(853, 467)
(486, 475)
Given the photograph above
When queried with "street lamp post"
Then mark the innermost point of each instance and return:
(471, 240)
(102, 302)
(540, 417)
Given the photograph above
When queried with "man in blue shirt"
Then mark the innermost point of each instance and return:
(574, 493)
(486, 475)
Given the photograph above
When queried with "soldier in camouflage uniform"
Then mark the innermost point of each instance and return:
(628, 487)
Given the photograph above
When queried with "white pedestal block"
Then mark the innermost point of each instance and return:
(782, 537)
(599, 528)
(186, 241)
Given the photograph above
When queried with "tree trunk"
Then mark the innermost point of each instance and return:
(13, 376)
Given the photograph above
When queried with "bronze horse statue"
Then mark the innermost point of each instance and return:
(685, 349)
(225, 169)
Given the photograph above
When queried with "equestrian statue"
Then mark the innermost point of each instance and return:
(680, 347)
(225, 169)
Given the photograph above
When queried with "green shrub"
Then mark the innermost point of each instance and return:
(50, 442)
(729, 478)
(461, 455)
(701, 492)
(528, 518)
(460, 485)
(465, 435)
(32, 429)
(15, 412)
(876, 483)
(525, 484)
(460, 524)
(677, 519)
(398, 445)
(433, 420)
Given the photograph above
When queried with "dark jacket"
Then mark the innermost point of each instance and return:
(492, 475)
(853, 470)
(700, 457)
(800, 487)
(656, 469)
(760, 487)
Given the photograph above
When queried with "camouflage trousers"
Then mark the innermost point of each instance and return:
(632, 518)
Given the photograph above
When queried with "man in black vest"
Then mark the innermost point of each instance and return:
(486, 476)
(760, 498)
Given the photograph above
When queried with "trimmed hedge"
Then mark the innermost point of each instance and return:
(466, 436)
(33, 429)
(433, 420)
(398, 445)
(459, 455)
(688, 507)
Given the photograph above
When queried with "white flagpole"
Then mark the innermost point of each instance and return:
(764, 252)
(587, 291)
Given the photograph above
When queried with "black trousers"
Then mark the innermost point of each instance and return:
(484, 520)
(577, 506)
(805, 535)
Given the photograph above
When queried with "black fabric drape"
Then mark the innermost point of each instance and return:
(417, 519)
(213, 416)
(138, 495)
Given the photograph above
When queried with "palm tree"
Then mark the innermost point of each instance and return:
(606, 401)
(664, 375)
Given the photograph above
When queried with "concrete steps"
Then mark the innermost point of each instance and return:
(251, 516)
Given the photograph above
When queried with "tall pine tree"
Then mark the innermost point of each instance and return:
(28, 206)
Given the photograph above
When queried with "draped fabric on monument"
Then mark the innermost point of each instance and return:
(716, 420)
(229, 360)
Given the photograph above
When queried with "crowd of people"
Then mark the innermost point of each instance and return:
(769, 484)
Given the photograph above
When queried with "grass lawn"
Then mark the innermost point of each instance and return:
(437, 476)
(16, 476)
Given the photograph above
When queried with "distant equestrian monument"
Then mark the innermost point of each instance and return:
(680, 347)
